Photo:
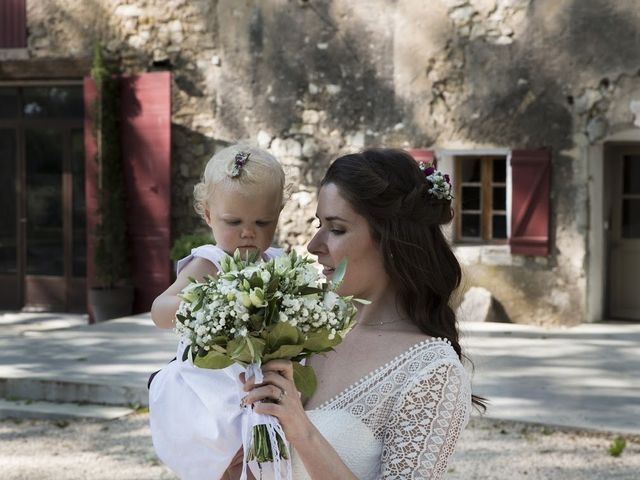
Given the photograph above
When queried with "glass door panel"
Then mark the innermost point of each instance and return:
(44, 162)
(624, 235)
(8, 103)
(79, 259)
(8, 200)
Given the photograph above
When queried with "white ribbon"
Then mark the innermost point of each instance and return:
(251, 419)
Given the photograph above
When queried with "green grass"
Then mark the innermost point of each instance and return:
(617, 446)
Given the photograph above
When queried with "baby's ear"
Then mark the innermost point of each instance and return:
(207, 216)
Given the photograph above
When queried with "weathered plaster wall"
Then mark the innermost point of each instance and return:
(310, 79)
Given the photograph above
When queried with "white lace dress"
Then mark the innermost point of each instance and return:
(401, 421)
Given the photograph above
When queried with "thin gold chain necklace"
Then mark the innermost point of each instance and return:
(376, 324)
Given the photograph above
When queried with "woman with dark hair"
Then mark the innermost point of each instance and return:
(394, 397)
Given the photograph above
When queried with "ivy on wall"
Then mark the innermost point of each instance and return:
(111, 250)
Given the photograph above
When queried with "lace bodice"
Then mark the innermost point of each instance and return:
(401, 421)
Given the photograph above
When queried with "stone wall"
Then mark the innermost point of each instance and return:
(311, 79)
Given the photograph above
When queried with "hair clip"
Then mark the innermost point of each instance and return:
(238, 162)
(440, 184)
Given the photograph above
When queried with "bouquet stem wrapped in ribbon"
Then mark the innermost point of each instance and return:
(256, 311)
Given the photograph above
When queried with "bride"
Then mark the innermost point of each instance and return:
(393, 398)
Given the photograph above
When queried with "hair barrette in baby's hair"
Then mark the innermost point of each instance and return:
(440, 184)
(238, 162)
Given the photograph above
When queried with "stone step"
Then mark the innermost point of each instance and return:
(57, 391)
(59, 411)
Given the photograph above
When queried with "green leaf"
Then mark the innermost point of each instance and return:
(220, 340)
(305, 379)
(285, 351)
(280, 334)
(235, 346)
(338, 273)
(256, 281)
(309, 290)
(318, 341)
(273, 286)
(258, 345)
(246, 349)
(256, 321)
(213, 360)
(185, 354)
(198, 305)
(272, 314)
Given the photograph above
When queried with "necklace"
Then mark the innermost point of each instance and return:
(376, 324)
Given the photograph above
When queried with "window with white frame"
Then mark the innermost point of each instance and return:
(481, 199)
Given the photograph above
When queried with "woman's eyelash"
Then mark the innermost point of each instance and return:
(335, 231)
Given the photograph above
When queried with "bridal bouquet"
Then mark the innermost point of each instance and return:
(256, 311)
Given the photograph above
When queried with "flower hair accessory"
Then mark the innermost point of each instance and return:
(238, 162)
(440, 183)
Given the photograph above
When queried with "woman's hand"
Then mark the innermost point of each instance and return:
(319, 457)
(278, 386)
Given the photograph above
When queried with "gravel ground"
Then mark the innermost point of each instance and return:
(121, 450)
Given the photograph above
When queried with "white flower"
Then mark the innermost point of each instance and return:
(282, 264)
(257, 298)
(245, 299)
(330, 300)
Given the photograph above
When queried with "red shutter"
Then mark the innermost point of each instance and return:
(13, 23)
(422, 155)
(146, 150)
(530, 181)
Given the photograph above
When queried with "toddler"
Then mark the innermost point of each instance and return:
(194, 429)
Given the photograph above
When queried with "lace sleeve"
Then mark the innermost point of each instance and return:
(425, 423)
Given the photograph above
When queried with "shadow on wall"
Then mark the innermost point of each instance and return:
(533, 80)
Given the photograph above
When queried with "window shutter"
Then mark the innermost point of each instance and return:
(422, 155)
(530, 181)
(146, 150)
(13, 24)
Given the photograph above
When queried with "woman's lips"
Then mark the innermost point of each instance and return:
(326, 271)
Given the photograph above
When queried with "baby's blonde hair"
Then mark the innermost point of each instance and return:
(260, 170)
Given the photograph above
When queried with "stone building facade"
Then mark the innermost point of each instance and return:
(468, 80)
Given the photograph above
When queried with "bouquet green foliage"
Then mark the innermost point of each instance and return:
(256, 311)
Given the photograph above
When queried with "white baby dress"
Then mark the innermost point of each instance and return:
(194, 413)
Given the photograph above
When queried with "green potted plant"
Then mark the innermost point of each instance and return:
(183, 245)
(112, 296)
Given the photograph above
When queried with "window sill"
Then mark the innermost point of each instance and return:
(14, 53)
(494, 255)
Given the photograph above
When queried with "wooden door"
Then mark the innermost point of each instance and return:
(42, 240)
(624, 233)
